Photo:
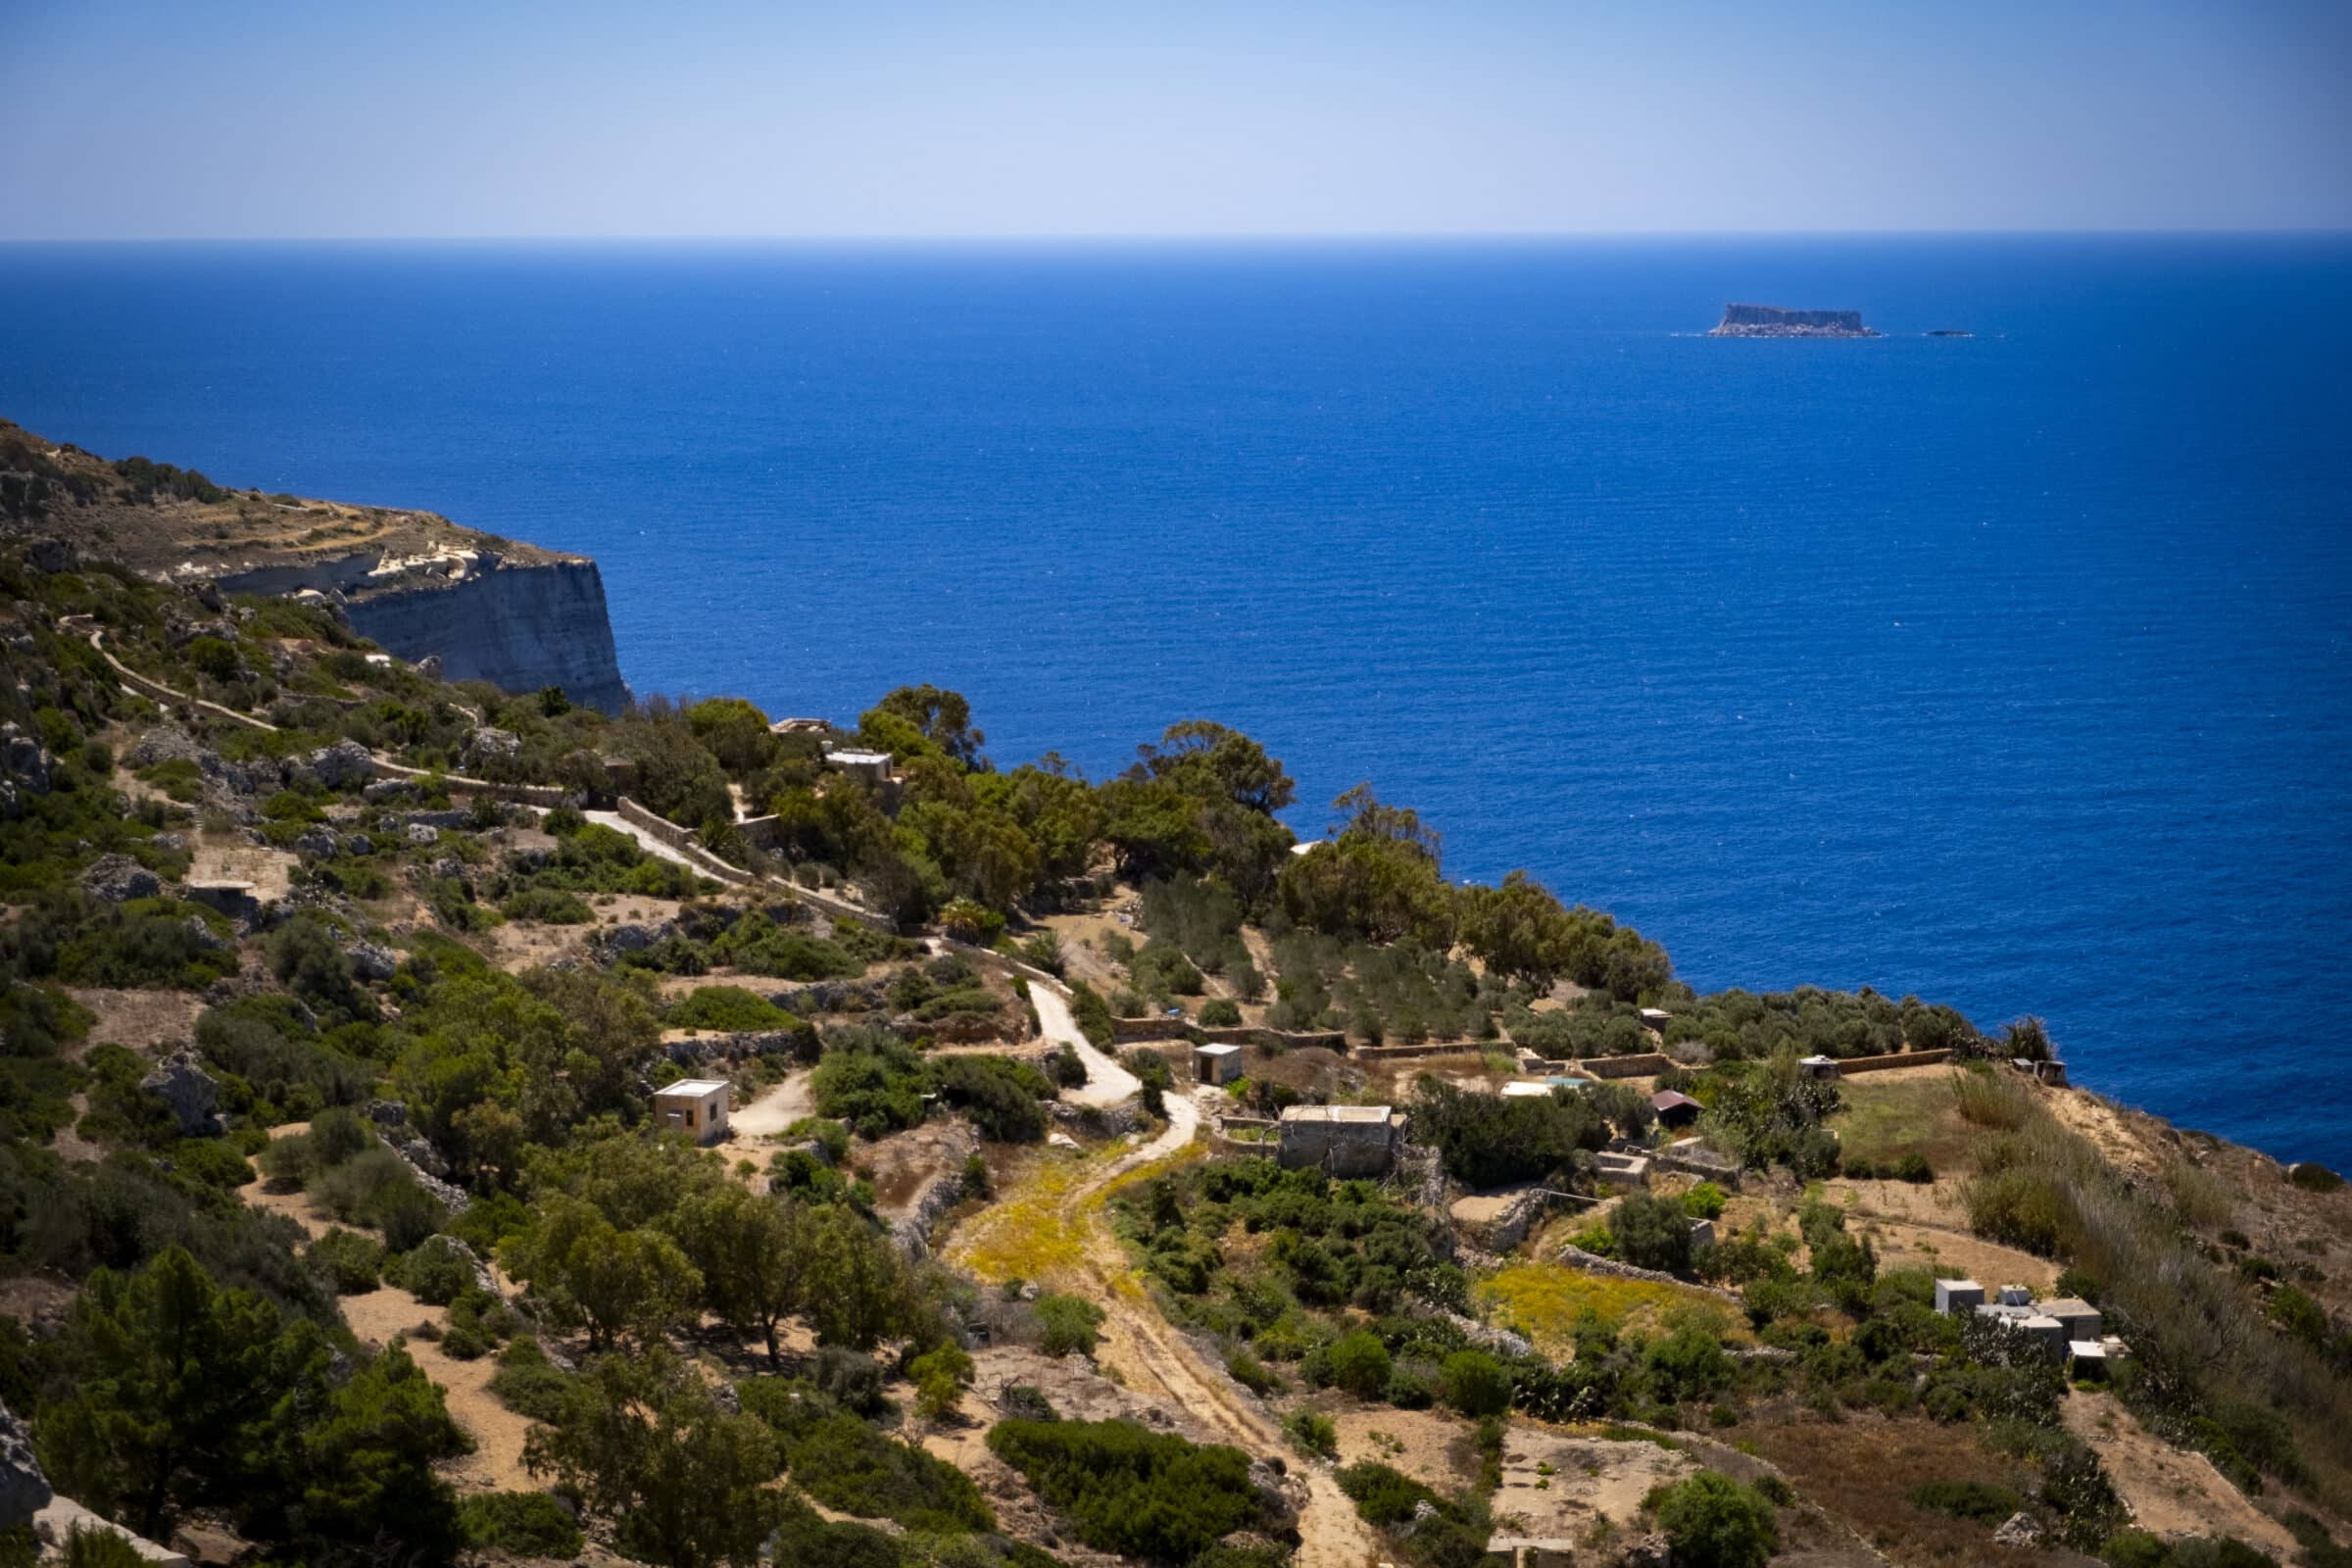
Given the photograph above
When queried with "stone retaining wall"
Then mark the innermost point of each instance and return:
(1647, 1066)
(1897, 1058)
(1137, 1029)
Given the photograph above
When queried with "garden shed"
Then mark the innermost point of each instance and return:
(695, 1106)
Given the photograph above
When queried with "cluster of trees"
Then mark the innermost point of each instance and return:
(167, 1392)
(629, 1238)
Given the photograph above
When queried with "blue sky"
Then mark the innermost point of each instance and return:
(124, 119)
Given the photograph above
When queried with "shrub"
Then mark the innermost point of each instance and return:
(1715, 1522)
(1221, 1013)
(435, 1272)
(846, 1464)
(1130, 1490)
(1476, 1383)
(524, 1524)
(527, 1383)
(730, 1009)
(1026, 1402)
(2314, 1177)
(1358, 1362)
(1913, 1167)
(1312, 1434)
(1651, 1232)
(352, 1262)
(1383, 1496)
(1000, 1095)
(1070, 1323)
(1704, 1202)
(1967, 1499)
(1251, 1373)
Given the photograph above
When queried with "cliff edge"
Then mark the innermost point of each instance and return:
(1770, 320)
(489, 609)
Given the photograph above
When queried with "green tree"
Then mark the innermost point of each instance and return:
(183, 1393)
(366, 1475)
(914, 719)
(1651, 1232)
(635, 1283)
(735, 732)
(1715, 1522)
(649, 1449)
(749, 1252)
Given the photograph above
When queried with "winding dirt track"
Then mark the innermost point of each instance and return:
(1157, 1359)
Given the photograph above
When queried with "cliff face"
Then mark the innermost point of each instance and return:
(1770, 320)
(519, 628)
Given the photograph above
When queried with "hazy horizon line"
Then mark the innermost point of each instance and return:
(1258, 237)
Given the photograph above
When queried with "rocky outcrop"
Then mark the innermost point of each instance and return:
(1770, 320)
(24, 1488)
(118, 879)
(520, 627)
(188, 1092)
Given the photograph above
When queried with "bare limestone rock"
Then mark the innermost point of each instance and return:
(2018, 1530)
(318, 844)
(25, 759)
(487, 746)
(372, 960)
(1647, 1552)
(342, 764)
(180, 1082)
(24, 1488)
(118, 879)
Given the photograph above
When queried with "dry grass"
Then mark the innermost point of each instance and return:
(1915, 1112)
(1862, 1470)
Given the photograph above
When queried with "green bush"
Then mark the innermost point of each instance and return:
(1223, 1012)
(350, 1261)
(1981, 1500)
(524, 1524)
(729, 1009)
(1130, 1490)
(846, 1464)
(1359, 1364)
(1704, 1202)
(1651, 1232)
(1312, 1434)
(1000, 1094)
(1475, 1384)
(527, 1383)
(1715, 1522)
(434, 1272)
(1069, 1324)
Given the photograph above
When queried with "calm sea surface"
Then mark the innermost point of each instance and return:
(2012, 671)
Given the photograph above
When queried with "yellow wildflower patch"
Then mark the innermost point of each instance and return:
(1543, 1301)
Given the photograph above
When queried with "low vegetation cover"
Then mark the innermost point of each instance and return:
(1129, 1490)
(374, 1009)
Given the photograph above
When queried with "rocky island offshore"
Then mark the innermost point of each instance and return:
(445, 1124)
(1770, 320)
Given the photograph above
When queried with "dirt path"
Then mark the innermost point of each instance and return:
(1157, 1359)
(2170, 1492)
(1106, 1082)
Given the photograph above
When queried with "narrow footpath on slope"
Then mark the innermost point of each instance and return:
(1147, 1347)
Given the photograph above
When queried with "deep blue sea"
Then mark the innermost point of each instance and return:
(2011, 670)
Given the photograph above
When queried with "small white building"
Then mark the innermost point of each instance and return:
(1958, 1296)
(1216, 1065)
(695, 1106)
(2087, 1359)
(1820, 1066)
(1526, 1089)
(1655, 1020)
(2082, 1319)
(1344, 1140)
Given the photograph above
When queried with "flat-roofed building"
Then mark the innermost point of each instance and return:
(1216, 1065)
(1344, 1140)
(1958, 1296)
(695, 1106)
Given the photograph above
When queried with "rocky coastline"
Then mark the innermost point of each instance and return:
(1771, 320)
